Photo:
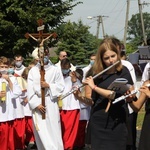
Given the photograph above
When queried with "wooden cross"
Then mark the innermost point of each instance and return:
(41, 38)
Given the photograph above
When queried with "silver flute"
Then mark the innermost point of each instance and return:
(94, 77)
(123, 97)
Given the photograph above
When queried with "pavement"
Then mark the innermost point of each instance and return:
(88, 147)
(138, 137)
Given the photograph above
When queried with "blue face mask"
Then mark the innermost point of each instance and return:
(65, 71)
(11, 71)
(91, 62)
(46, 60)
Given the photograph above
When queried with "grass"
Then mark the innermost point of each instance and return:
(140, 118)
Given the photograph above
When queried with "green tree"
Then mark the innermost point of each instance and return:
(135, 35)
(77, 41)
(18, 17)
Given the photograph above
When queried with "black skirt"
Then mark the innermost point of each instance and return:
(108, 130)
(144, 143)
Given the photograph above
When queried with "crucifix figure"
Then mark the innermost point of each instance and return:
(41, 38)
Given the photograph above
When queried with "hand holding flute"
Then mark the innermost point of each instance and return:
(129, 97)
(145, 90)
(94, 77)
(144, 94)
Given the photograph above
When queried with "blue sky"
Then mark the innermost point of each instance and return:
(114, 10)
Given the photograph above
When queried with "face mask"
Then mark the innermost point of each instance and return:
(11, 71)
(65, 71)
(46, 60)
(18, 64)
(3, 71)
(91, 62)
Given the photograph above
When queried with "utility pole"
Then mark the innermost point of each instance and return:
(142, 22)
(103, 27)
(126, 22)
(98, 25)
(99, 21)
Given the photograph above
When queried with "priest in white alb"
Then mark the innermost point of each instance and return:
(47, 131)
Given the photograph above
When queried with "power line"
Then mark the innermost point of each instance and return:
(115, 5)
(117, 17)
(119, 31)
(104, 6)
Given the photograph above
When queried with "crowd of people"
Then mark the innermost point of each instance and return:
(87, 116)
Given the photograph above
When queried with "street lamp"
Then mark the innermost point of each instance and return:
(89, 17)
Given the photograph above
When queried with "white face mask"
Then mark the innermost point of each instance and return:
(18, 64)
(3, 71)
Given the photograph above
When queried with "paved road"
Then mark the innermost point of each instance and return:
(87, 148)
(138, 137)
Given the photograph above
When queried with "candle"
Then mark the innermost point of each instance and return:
(60, 103)
(3, 89)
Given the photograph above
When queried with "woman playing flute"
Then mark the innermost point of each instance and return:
(108, 128)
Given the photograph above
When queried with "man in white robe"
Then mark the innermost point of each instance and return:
(63, 55)
(47, 131)
(19, 67)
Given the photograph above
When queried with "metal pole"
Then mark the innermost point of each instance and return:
(98, 25)
(126, 22)
(102, 27)
(142, 22)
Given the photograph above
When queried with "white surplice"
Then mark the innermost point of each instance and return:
(20, 70)
(47, 131)
(70, 102)
(7, 108)
(73, 68)
(85, 109)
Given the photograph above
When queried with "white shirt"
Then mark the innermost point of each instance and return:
(73, 68)
(20, 70)
(145, 75)
(85, 109)
(7, 108)
(26, 107)
(70, 102)
(131, 69)
(132, 72)
(20, 113)
(85, 70)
